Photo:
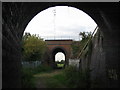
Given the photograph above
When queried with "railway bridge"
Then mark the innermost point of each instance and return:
(55, 46)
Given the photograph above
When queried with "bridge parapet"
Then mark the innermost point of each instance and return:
(59, 42)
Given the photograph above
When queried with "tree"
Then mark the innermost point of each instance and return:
(27, 34)
(77, 46)
(85, 35)
(33, 47)
(62, 61)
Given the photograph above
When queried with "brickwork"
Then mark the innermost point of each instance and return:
(64, 45)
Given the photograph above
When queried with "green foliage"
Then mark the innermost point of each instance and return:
(60, 65)
(62, 61)
(41, 68)
(56, 81)
(77, 46)
(76, 78)
(33, 47)
(85, 35)
(87, 51)
(60, 77)
(27, 78)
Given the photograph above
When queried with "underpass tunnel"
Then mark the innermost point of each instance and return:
(60, 60)
(54, 52)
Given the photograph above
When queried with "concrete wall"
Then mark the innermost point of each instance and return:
(96, 61)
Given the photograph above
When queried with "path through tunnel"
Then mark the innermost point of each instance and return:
(55, 52)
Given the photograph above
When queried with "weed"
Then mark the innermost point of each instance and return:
(27, 78)
(76, 78)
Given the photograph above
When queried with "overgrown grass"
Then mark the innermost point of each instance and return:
(41, 69)
(60, 65)
(28, 80)
(70, 77)
(76, 78)
(56, 81)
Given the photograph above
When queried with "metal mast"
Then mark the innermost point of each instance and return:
(54, 12)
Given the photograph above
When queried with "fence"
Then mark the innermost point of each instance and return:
(31, 64)
(74, 62)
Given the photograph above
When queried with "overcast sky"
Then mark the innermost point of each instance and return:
(59, 56)
(60, 22)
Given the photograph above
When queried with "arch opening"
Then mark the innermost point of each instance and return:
(61, 22)
(59, 57)
(57, 50)
(61, 27)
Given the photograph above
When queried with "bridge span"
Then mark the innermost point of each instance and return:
(55, 46)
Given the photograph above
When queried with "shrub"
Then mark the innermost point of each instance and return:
(76, 78)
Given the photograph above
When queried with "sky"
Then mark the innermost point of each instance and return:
(59, 56)
(60, 22)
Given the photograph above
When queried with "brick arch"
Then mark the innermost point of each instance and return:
(55, 46)
(57, 49)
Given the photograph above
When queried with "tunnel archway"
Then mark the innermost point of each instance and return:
(55, 51)
(17, 15)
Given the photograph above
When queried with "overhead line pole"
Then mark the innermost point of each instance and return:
(54, 11)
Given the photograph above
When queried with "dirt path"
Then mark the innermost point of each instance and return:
(40, 83)
(41, 78)
(48, 74)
